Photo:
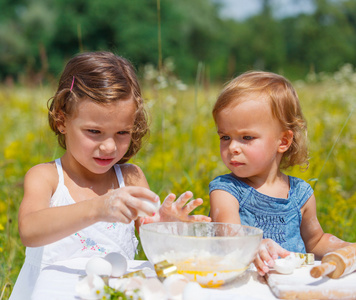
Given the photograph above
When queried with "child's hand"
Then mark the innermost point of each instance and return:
(122, 205)
(268, 251)
(178, 210)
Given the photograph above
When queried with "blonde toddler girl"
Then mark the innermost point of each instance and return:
(262, 132)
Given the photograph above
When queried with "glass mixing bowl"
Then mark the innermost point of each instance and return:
(212, 254)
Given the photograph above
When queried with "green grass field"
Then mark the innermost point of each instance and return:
(182, 152)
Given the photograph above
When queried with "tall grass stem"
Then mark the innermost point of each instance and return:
(198, 82)
(333, 146)
(7, 285)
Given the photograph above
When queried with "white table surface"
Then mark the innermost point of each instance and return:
(58, 281)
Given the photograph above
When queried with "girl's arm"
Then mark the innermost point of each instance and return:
(315, 240)
(40, 224)
(224, 207)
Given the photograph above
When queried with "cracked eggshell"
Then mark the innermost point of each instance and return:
(98, 266)
(299, 261)
(153, 205)
(283, 266)
(288, 264)
(118, 263)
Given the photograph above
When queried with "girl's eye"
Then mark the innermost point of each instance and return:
(224, 138)
(93, 131)
(248, 138)
(123, 132)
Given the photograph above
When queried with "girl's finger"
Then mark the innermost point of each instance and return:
(265, 255)
(142, 207)
(129, 214)
(276, 250)
(140, 192)
(168, 201)
(262, 269)
(192, 205)
(283, 253)
(147, 220)
(183, 199)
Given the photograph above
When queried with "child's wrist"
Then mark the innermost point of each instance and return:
(95, 211)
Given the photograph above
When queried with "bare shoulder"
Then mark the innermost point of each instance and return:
(40, 184)
(133, 175)
(48, 168)
(43, 173)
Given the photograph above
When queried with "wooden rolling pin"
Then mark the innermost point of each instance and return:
(337, 263)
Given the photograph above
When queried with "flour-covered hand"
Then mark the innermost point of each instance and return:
(268, 251)
(173, 210)
(125, 204)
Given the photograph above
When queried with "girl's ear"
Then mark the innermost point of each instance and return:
(61, 128)
(286, 141)
(61, 123)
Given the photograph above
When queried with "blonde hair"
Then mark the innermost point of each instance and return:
(284, 103)
(102, 77)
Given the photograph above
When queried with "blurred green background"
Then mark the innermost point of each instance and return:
(184, 52)
(37, 36)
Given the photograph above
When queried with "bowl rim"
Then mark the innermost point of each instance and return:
(146, 227)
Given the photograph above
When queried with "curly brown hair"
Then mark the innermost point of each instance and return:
(285, 107)
(103, 77)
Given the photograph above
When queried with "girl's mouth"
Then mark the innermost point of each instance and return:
(236, 163)
(103, 161)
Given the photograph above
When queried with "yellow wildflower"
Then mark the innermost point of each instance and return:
(13, 150)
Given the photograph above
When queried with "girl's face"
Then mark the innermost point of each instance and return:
(252, 141)
(98, 135)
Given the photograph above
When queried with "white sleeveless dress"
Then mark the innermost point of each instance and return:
(96, 240)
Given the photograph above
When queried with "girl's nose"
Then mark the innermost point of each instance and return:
(108, 146)
(235, 147)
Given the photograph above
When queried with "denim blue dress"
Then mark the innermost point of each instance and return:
(280, 219)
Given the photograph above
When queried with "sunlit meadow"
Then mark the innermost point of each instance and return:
(182, 151)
